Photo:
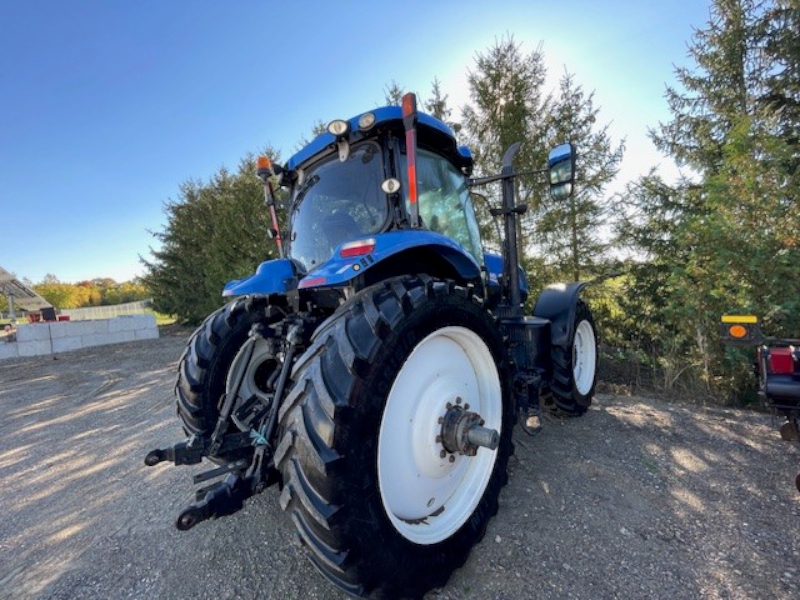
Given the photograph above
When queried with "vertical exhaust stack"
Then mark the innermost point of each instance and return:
(410, 126)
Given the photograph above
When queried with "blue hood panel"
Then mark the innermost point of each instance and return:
(271, 277)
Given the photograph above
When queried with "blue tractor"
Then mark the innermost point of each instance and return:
(376, 369)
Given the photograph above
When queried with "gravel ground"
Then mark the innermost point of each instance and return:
(637, 499)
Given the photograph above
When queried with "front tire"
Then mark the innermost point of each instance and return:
(575, 368)
(379, 504)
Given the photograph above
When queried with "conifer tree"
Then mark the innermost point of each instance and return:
(725, 237)
(216, 231)
(569, 231)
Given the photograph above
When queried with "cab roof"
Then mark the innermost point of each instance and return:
(431, 133)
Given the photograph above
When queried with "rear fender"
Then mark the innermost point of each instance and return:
(558, 303)
(389, 248)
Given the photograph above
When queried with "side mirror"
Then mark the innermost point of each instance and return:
(561, 167)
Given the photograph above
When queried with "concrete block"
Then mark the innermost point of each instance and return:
(65, 344)
(60, 329)
(79, 328)
(116, 337)
(124, 323)
(35, 348)
(9, 350)
(34, 332)
(146, 334)
(93, 339)
(118, 324)
(100, 326)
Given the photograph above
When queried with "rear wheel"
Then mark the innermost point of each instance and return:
(386, 493)
(575, 368)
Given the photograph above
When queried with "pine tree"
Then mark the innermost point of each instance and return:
(569, 232)
(393, 94)
(726, 238)
(437, 106)
(215, 232)
(507, 105)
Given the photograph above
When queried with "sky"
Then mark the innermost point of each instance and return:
(107, 107)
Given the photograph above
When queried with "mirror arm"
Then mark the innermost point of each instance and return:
(492, 178)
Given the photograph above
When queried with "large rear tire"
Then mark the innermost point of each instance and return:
(575, 368)
(203, 369)
(381, 507)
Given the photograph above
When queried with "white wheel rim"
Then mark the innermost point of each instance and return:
(249, 387)
(426, 497)
(584, 357)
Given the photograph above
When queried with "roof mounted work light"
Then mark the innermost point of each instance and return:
(339, 127)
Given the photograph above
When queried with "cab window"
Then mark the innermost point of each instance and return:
(444, 201)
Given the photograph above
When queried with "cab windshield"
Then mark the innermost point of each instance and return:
(337, 202)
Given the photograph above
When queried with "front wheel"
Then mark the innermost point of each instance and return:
(396, 436)
(575, 368)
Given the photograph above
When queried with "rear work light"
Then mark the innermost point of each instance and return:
(357, 248)
(339, 128)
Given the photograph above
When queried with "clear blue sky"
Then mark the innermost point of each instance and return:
(106, 107)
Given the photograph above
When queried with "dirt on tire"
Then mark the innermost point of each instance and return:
(637, 498)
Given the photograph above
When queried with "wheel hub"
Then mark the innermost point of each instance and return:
(463, 432)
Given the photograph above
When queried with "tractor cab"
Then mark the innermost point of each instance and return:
(352, 183)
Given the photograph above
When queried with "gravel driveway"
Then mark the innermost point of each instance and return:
(637, 499)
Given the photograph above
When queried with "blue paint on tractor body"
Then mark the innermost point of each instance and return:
(494, 265)
(383, 116)
(339, 271)
(271, 277)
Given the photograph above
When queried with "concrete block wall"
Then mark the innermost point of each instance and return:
(38, 339)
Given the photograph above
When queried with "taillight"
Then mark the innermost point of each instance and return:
(357, 248)
(313, 282)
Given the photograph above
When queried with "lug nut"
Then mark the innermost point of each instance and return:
(452, 458)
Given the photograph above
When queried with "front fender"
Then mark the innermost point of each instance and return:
(339, 271)
(272, 277)
(557, 303)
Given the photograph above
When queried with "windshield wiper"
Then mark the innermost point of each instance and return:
(301, 193)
